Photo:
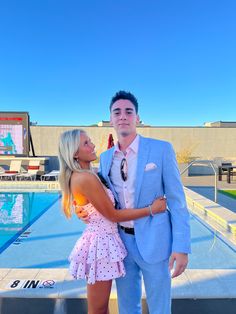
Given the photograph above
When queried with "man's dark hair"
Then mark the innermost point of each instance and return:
(125, 95)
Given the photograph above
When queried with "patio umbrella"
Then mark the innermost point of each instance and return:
(110, 141)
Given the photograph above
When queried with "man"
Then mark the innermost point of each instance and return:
(138, 170)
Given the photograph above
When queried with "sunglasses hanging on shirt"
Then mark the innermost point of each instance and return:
(124, 169)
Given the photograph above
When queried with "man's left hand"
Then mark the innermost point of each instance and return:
(180, 260)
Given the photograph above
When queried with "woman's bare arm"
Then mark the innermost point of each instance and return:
(88, 184)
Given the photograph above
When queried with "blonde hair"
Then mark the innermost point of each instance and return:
(68, 146)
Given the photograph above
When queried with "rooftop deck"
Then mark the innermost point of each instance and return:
(52, 290)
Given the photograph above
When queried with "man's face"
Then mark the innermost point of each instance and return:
(124, 117)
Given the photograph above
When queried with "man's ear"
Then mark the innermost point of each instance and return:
(111, 121)
(137, 119)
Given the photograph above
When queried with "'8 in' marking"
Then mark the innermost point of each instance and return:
(15, 284)
(30, 284)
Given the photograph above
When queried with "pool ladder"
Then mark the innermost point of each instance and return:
(209, 162)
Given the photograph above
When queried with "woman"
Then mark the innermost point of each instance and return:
(98, 255)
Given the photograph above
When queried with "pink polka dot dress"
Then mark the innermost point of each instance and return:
(99, 253)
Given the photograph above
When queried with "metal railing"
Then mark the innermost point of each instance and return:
(212, 166)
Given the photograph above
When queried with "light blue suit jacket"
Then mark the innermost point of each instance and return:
(157, 237)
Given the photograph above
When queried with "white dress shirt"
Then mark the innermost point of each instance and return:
(125, 189)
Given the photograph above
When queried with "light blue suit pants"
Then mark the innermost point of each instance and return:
(156, 278)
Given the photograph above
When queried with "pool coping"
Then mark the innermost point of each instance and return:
(221, 218)
(193, 283)
(29, 185)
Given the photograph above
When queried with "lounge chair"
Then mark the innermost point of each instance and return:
(52, 174)
(14, 170)
(32, 171)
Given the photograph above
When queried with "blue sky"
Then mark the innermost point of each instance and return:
(62, 60)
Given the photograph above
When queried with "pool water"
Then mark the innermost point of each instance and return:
(19, 210)
(209, 251)
(53, 236)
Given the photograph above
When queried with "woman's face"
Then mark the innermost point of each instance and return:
(85, 153)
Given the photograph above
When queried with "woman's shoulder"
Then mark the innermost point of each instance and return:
(81, 181)
(83, 176)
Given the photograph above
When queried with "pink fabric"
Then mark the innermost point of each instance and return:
(98, 255)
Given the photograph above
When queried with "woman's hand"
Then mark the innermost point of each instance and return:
(80, 212)
(159, 205)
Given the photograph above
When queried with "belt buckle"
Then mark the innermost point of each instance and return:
(128, 230)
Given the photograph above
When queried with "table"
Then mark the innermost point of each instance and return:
(229, 172)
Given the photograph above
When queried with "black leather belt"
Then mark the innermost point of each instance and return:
(128, 230)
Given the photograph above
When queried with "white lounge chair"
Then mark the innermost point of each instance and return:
(14, 170)
(32, 171)
(52, 174)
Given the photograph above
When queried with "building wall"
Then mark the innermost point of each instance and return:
(197, 141)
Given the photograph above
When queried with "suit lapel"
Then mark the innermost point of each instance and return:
(109, 162)
(143, 152)
(107, 167)
(107, 171)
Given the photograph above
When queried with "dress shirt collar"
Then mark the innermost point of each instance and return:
(133, 146)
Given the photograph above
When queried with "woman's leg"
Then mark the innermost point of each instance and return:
(98, 296)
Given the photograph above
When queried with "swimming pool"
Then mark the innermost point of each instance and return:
(20, 210)
(209, 250)
(52, 237)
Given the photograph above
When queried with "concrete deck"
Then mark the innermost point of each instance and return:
(28, 185)
(208, 181)
(187, 181)
(199, 291)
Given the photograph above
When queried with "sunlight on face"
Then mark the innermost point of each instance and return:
(86, 151)
(124, 117)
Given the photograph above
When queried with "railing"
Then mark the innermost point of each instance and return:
(212, 166)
